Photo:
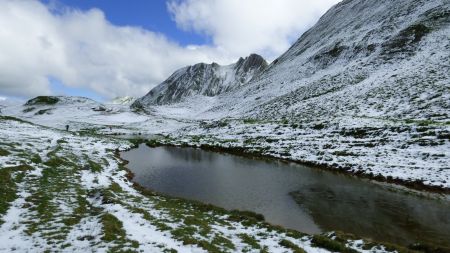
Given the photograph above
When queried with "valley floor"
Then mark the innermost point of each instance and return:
(69, 191)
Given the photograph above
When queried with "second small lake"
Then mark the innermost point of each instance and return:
(292, 195)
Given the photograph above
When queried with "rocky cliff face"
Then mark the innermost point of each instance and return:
(204, 79)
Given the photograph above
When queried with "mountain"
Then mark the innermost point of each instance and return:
(363, 58)
(204, 79)
(47, 104)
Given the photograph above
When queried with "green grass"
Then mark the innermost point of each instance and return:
(4, 152)
(95, 167)
(112, 228)
(290, 245)
(251, 121)
(43, 100)
(13, 119)
(42, 112)
(224, 242)
(331, 245)
(113, 231)
(82, 210)
(250, 240)
(9, 177)
(29, 109)
(36, 158)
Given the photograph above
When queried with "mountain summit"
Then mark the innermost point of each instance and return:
(204, 79)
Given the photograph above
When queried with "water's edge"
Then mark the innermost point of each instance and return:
(415, 187)
(396, 187)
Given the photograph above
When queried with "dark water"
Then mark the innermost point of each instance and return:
(292, 195)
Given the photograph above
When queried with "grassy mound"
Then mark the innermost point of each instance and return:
(43, 100)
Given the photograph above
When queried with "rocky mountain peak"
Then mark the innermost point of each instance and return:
(204, 79)
(254, 61)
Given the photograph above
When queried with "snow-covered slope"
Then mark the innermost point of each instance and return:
(77, 112)
(204, 79)
(363, 58)
(7, 102)
(388, 58)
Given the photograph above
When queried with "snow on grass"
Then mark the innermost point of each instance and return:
(77, 198)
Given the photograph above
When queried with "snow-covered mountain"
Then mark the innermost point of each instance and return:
(204, 79)
(388, 58)
(364, 58)
(47, 104)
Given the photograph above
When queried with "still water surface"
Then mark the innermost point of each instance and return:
(292, 195)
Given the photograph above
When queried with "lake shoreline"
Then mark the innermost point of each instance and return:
(416, 186)
(148, 187)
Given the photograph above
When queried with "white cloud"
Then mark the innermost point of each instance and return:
(82, 49)
(239, 27)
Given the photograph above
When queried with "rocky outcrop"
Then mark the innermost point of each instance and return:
(204, 79)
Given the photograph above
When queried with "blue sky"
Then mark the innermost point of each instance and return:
(108, 48)
(148, 14)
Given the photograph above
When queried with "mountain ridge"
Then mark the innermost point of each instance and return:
(204, 79)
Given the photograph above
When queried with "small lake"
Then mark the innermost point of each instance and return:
(292, 195)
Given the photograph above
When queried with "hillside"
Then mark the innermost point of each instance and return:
(363, 58)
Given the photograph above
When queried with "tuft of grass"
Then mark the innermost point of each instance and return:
(112, 228)
(60, 141)
(250, 121)
(250, 240)
(8, 185)
(290, 245)
(42, 112)
(247, 218)
(36, 158)
(115, 187)
(224, 242)
(55, 162)
(331, 245)
(4, 152)
(95, 167)
(13, 119)
(29, 109)
(80, 211)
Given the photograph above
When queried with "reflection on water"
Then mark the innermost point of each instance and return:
(292, 195)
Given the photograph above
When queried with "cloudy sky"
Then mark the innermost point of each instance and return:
(104, 49)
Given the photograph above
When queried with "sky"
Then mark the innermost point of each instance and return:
(104, 49)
